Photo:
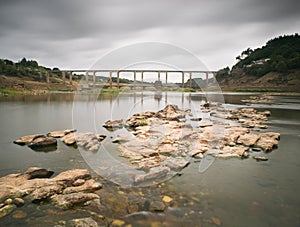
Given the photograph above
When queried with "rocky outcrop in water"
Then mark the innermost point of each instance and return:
(164, 141)
(39, 142)
(69, 188)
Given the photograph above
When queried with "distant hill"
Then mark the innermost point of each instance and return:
(275, 66)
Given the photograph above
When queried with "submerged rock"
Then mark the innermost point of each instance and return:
(6, 210)
(83, 222)
(66, 189)
(260, 158)
(155, 172)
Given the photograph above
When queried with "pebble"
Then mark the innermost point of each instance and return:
(167, 199)
(18, 214)
(19, 202)
(117, 222)
(8, 201)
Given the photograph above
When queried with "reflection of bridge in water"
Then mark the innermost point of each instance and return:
(91, 74)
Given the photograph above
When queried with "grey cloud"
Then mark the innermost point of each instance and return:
(55, 31)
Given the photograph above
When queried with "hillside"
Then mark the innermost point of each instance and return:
(275, 66)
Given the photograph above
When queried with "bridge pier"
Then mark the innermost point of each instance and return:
(158, 76)
(70, 78)
(190, 80)
(110, 79)
(166, 79)
(94, 79)
(206, 79)
(134, 80)
(182, 80)
(118, 79)
(64, 77)
(47, 77)
(87, 77)
(142, 78)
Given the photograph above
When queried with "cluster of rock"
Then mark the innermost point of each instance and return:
(257, 99)
(247, 117)
(89, 141)
(67, 189)
(164, 141)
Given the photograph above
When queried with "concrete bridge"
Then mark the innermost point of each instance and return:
(68, 75)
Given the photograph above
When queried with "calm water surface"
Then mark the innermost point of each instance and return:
(236, 192)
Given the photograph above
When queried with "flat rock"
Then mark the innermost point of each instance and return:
(268, 141)
(176, 163)
(248, 139)
(89, 186)
(155, 172)
(60, 133)
(228, 151)
(260, 158)
(206, 124)
(69, 139)
(69, 200)
(24, 140)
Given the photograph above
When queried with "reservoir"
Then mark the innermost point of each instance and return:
(231, 192)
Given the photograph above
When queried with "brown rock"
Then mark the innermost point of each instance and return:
(19, 202)
(171, 113)
(69, 200)
(43, 142)
(83, 222)
(27, 139)
(114, 124)
(89, 186)
(155, 172)
(69, 139)
(157, 206)
(61, 133)
(248, 139)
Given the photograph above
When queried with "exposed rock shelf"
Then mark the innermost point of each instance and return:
(164, 141)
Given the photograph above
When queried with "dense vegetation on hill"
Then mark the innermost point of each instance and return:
(277, 63)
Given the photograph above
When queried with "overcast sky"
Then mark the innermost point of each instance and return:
(75, 33)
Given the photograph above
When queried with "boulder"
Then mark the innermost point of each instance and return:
(268, 141)
(24, 140)
(37, 172)
(114, 124)
(43, 142)
(171, 112)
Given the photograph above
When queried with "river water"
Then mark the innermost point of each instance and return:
(231, 192)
